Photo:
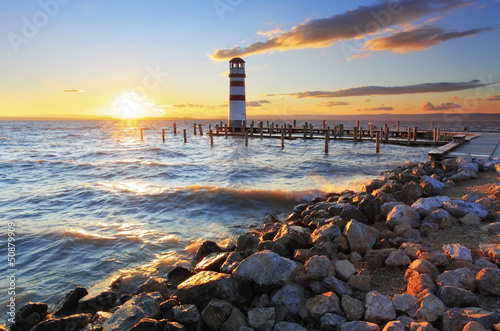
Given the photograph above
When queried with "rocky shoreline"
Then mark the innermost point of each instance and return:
(316, 269)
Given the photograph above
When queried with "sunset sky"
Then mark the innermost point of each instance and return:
(74, 58)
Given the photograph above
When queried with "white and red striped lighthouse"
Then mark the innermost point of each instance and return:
(237, 104)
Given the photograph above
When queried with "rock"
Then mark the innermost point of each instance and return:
(379, 308)
(394, 326)
(359, 326)
(215, 313)
(178, 275)
(327, 248)
(373, 185)
(370, 207)
(166, 308)
(377, 257)
(319, 267)
(461, 277)
(206, 248)
(124, 318)
(232, 261)
(290, 238)
(327, 232)
(247, 242)
(435, 185)
(353, 308)
(456, 319)
(470, 219)
(261, 318)
(361, 237)
(460, 264)
(360, 282)
(410, 193)
(403, 214)
(425, 206)
(458, 252)
(302, 255)
(293, 298)
(491, 228)
(424, 267)
(453, 296)
(437, 217)
(148, 302)
(405, 303)
(472, 197)
(101, 296)
(69, 303)
(189, 316)
(29, 315)
(288, 326)
(491, 250)
(235, 321)
(173, 326)
(154, 284)
(473, 326)
(211, 262)
(437, 258)
(386, 208)
(421, 326)
(73, 322)
(411, 249)
(429, 308)
(482, 263)
(488, 281)
(338, 286)
(324, 303)
(350, 212)
(147, 324)
(273, 247)
(207, 285)
(460, 208)
(266, 269)
(344, 269)
(418, 283)
(331, 321)
(428, 228)
(397, 258)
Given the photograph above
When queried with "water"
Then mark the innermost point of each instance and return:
(90, 199)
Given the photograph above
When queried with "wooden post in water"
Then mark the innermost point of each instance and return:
(305, 131)
(163, 134)
(311, 130)
(360, 133)
(142, 134)
(434, 137)
(261, 128)
(246, 139)
(397, 126)
(251, 129)
(357, 124)
(381, 134)
(341, 129)
(211, 137)
(409, 137)
(327, 139)
(194, 128)
(387, 132)
(290, 128)
(377, 142)
(282, 138)
(324, 124)
(371, 131)
(201, 130)
(294, 123)
(415, 130)
(185, 136)
(225, 130)
(355, 134)
(335, 128)
(175, 128)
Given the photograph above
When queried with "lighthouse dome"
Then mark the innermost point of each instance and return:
(237, 59)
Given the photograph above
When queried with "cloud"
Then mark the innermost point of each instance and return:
(72, 91)
(381, 108)
(332, 103)
(494, 98)
(454, 97)
(356, 23)
(388, 90)
(444, 106)
(419, 38)
(256, 103)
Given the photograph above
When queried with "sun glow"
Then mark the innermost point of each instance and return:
(134, 105)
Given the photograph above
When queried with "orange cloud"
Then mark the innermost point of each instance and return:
(444, 106)
(494, 98)
(332, 103)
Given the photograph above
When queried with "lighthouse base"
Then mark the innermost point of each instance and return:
(236, 124)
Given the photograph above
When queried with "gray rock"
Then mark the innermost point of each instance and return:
(124, 318)
(327, 232)
(235, 321)
(425, 206)
(247, 242)
(324, 303)
(273, 246)
(424, 267)
(360, 282)
(370, 207)
(178, 274)
(386, 208)
(70, 302)
(435, 185)
(361, 237)
(319, 267)
(291, 238)
(460, 208)
(394, 326)
(331, 321)
(148, 302)
(461, 277)
(491, 250)
(437, 216)
(429, 308)
(411, 249)
(405, 303)
(438, 258)
(359, 326)
(350, 212)
(338, 286)
(211, 262)
(379, 308)
(482, 263)
(491, 228)
(216, 313)
(403, 214)
(418, 283)
(488, 281)
(154, 284)
(398, 258)
(148, 324)
(293, 298)
(458, 252)
(102, 296)
(189, 316)
(207, 285)
(173, 326)
(262, 318)
(232, 261)
(455, 319)
(73, 322)
(206, 248)
(470, 219)
(421, 326)
(288, 326)
(266, 268)
(344, 269)
(353, 308)
(453, 296)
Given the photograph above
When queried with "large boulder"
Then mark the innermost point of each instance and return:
(324, 303)
(29, 315)
(429, 308)
(361, 237)
(460, 208)
(379, 308)
(488, 281)
(154, 284)
(491, 250)
(418, 283)
(211, 262)
(232, 261)
(423, 266)
(124, 318)
(353, 308)
(148, 302)
(338, 286)
(267, 269)
(425, 206)
(235, 321)
(402, 214)
(461, 277)
(247, 242)
(293, 298)
(69, 303)
(207, 285)
(405, 303)
(102, 296)
(206, 248)
(453, 296)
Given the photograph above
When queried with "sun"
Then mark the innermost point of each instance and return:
(133, 105)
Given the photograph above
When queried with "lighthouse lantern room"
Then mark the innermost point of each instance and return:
(237, 103)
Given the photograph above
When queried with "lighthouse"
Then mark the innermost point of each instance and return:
(237, 104)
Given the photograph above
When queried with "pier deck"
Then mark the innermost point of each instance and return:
(486, 145)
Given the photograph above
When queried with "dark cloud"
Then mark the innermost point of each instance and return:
(494, 98)
(332, 103)
(418, 39)
(388, 90)
(72, 91)
(444, 106)
(381, 108)
(356, 23)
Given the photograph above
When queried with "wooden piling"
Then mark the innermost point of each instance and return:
(194, 128)
(290, 130)
(397, 126)
(387, 133)
(327, 139)
(225, 130)
(371, 131)
(305, 131)
(163, 134)
(175, 128)
(246, 139)
(324, 124)
(341, 130)
(282, 138)
(294, 123)
(360, 129)
(415, 130)
(201, 129)
(185, 136)
(251, 129)
(311, 132)
(142, 134)
(409, 137)
(355, 134)
(377, 142)
(211, 137)
(261, 128)
(357, 124)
